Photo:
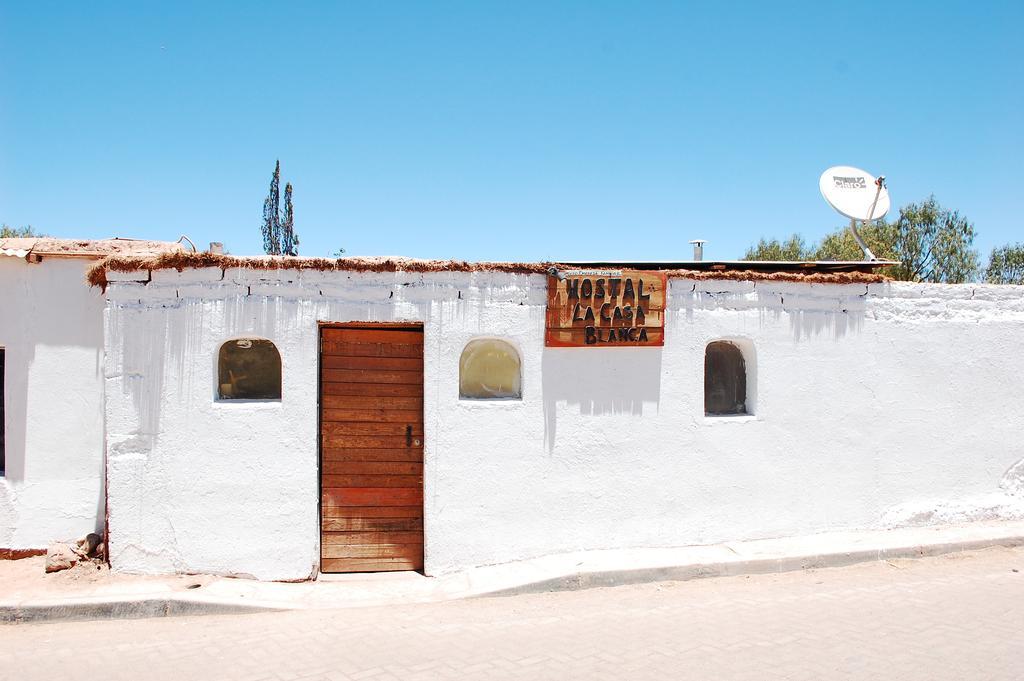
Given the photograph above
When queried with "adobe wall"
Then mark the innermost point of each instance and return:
(51, 327)
(874, 405)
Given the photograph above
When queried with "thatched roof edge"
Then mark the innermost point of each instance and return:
(181, 260)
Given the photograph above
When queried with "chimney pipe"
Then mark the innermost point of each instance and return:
(217, 247)
(698, 249)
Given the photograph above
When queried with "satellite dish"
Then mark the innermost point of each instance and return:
(855, 194)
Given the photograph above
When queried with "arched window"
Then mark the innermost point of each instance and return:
(725, 380)
(489, 370)
(249, 369)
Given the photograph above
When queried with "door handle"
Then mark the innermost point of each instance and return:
(408, 436)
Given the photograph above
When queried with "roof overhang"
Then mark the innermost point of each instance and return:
(799, 266)
(34, 249)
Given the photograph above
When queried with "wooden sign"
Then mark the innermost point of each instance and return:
(606, 308)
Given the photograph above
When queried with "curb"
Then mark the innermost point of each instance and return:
(757, 566)
(754, 562)
(126, 609)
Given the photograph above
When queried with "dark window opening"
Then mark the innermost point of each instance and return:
(249, 369)
(725, 380)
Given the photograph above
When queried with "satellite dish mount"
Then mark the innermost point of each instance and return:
(858, 195)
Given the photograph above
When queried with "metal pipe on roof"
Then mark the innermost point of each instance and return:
(698, 249)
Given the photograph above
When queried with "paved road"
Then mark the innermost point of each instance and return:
(953, 617)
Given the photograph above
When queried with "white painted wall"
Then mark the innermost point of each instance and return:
(870, 400)
(51, 327)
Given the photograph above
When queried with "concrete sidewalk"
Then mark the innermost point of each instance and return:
(106, 595)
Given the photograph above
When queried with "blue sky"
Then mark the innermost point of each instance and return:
(504, 131)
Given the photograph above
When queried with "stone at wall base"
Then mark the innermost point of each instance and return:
(89, 547)
(60, 557)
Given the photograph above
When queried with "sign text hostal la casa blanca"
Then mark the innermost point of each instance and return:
(606, 308)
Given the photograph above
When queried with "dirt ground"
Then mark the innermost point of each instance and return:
(27, 578)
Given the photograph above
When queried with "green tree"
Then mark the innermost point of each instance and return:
(289, 239)
(840, 244)
(272, 215)
(1006, 265)
(16, 232)
(279, 237)
(934, 244)
(930, 243)
(793, 248)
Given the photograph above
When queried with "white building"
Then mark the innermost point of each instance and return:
(279, 422)
(51, 376)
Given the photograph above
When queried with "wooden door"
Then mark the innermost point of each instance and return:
(371, 432)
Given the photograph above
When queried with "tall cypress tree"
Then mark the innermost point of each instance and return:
(271, 215)
(289, 239)
(279, 237)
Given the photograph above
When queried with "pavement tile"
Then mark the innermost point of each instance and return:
(930, 620)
